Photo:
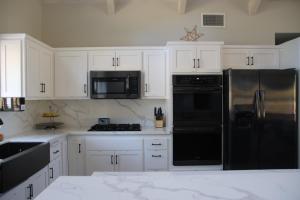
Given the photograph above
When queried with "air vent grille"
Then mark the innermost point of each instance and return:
(213, 20)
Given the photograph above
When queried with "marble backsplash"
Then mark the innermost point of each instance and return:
(81, 114)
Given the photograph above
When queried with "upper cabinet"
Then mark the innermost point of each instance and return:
(195, 57)
(250, 57)
(39, 71)
(155, 73)
(71, 74)
(110, 60)
(12, 67)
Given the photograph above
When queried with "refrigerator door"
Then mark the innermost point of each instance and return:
(241, 103)
(278, 124)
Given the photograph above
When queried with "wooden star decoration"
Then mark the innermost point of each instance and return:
(191, 35)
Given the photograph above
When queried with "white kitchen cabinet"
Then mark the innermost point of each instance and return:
(29, 189)
(99, 161)
(110, 60)
(129, 161)
(154, 74)
(39, 71)
(55, 169)
(11, 68)
(113, 154)
(76, 155)
(195, 57)
(249, 57)
(71, 74)
(156, 154)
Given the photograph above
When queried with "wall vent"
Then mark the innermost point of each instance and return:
(212, 20)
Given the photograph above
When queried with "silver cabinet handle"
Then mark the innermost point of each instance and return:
(194, 63)
(44, 87)
(146, 87)
(156, 156)
(113, 62)
(198, 63)
(118, 64)
(112, 159)
(85, 88)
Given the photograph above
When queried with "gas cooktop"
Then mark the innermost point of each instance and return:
(116, 127)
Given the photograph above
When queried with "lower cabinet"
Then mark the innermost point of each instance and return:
(129, 161)
(156, 154)
(76, 155)
(29, 189)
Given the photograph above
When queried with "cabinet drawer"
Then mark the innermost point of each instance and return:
(156, 143)
(55, 150)
(108, 144)
(156, 160)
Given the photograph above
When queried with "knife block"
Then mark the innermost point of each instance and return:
(159, 123)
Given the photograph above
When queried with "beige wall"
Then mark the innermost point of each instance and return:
(153, 22)
(21, 16)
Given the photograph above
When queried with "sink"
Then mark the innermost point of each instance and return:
(20, 160)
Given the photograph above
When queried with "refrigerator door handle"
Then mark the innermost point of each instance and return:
(262, 103)
(257, 104)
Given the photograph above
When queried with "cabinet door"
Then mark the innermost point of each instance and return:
(154, 70)
(71, 74)
(127, 60)
(39, 182)
(11, 68)
(236, 58)
(129, 161)
(102, 60)
(209, 59)
(46, 71)
(99, 161)
(156, 160)
(265, 58)
(184, 59)
(55, 169)
(76, 152)
(34, 86)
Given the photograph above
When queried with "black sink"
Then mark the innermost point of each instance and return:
(20, 160)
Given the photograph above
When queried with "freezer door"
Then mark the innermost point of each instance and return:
(278, 124)
(240, 118)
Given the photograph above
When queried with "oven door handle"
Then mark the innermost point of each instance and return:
(195, 90)
(193, 130)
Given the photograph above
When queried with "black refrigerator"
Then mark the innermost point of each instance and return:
(260, 119)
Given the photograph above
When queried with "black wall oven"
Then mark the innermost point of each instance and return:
(115, 84)
(197, 120)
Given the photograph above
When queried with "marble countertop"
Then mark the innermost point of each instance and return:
(193, 185)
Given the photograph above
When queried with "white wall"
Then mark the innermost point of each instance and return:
(153, 22)
(21, 16)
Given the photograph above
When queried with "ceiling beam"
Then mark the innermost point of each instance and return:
(111, 7)
(181, 6)
(253, 6)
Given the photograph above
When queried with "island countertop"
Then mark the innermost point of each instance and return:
(188, 185)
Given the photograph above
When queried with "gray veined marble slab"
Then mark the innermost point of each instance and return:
(200, 185)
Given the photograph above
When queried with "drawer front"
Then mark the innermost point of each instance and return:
(156, 143)
(108, 144)
(156, 160)
(55, 150)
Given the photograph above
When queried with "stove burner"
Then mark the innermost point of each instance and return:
(116, 127)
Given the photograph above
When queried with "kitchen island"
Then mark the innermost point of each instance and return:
(187, 185)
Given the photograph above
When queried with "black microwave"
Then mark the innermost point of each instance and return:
(115, 84)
